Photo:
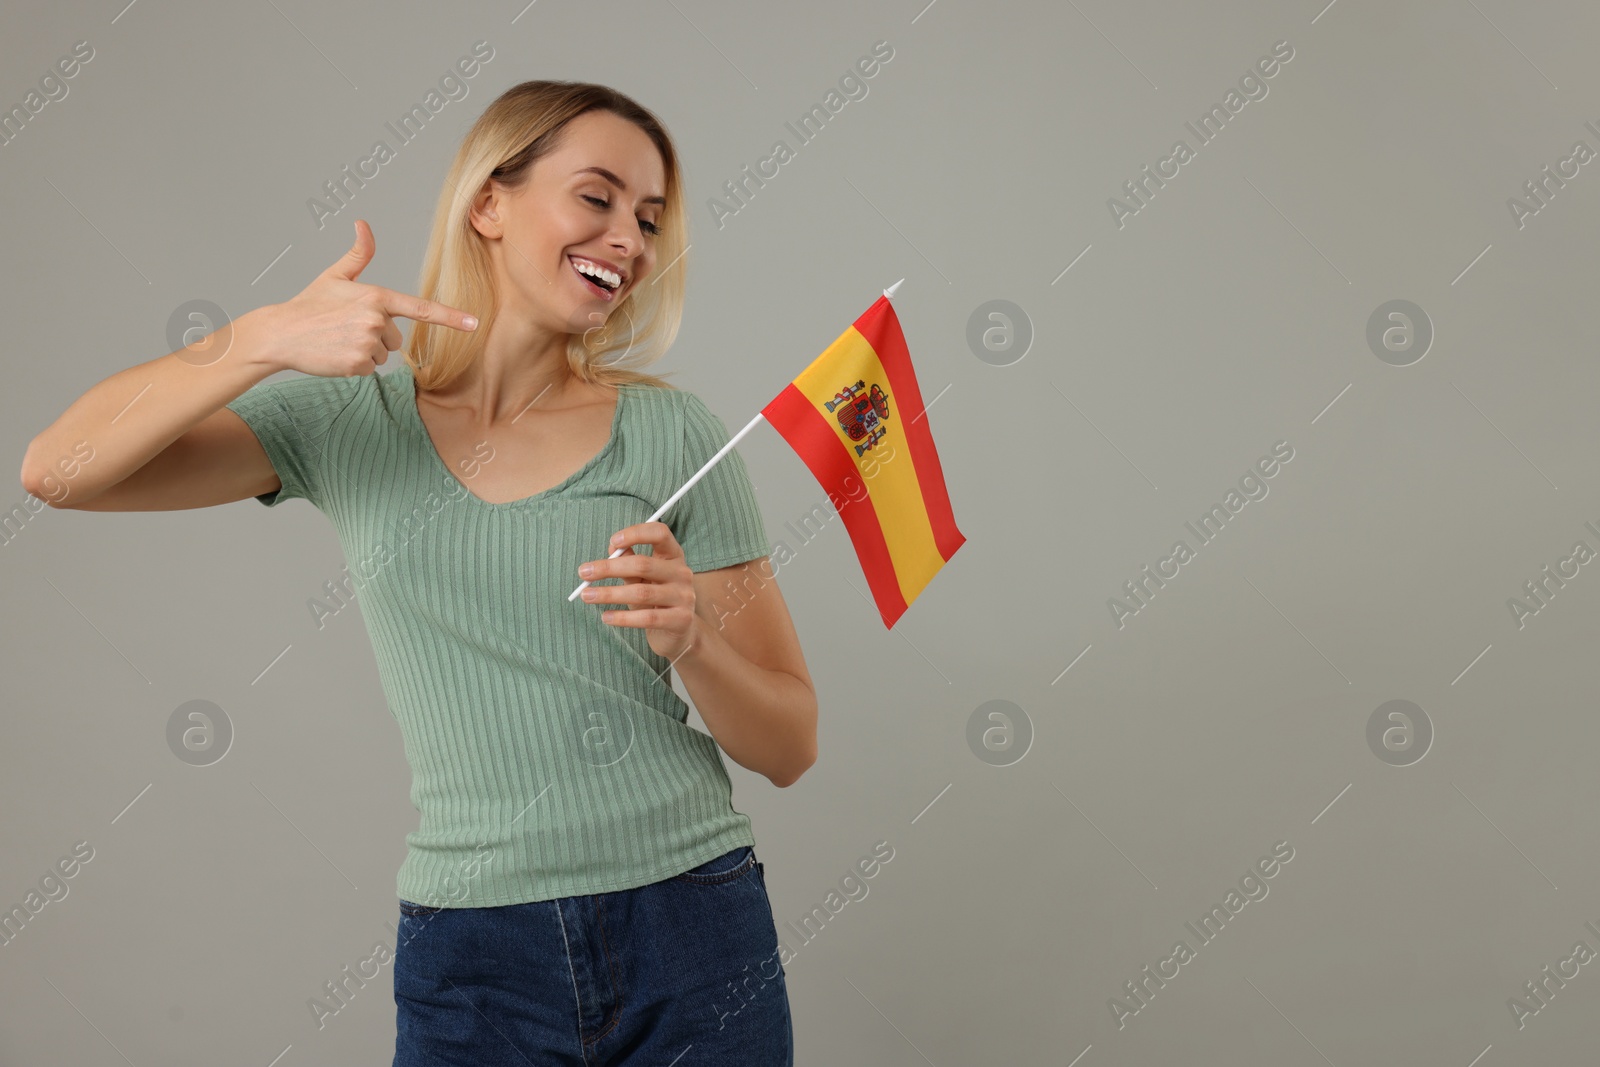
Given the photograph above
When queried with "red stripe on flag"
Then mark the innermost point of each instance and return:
(881, 328)
(798, 421)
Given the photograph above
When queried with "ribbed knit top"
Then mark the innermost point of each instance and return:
(550, 756)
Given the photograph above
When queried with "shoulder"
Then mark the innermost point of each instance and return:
(677, 415)
(309, 404)
(668, 406)
(695, 414)
(306, 391)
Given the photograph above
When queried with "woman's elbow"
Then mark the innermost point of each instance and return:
(800, 767)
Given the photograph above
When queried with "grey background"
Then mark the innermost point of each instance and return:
(1230, 714)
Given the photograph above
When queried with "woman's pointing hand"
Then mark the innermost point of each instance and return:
(340, 327)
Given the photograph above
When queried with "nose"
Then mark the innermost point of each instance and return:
(626, 245)
(626, 238)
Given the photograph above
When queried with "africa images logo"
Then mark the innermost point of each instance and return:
(861, 413)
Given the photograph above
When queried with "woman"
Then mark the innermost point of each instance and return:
(580, 889)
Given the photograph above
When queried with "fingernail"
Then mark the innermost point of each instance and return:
(586, 570)
(472, 322)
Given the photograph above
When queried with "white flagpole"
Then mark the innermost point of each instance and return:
(701, 473)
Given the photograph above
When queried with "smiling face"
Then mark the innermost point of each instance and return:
(596, 198)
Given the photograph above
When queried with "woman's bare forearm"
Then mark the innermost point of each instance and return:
(765, 720)
(127, 419)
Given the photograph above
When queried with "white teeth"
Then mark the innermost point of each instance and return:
(585, 267)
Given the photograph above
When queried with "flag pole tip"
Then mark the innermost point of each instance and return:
(889, 292)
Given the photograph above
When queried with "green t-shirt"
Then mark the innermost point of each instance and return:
(550, 756)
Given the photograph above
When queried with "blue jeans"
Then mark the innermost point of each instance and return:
(682, 971)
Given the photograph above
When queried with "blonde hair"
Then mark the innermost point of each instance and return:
(522, 125)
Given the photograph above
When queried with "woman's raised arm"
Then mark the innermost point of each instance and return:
(159, 436)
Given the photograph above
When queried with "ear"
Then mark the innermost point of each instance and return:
(485, 214)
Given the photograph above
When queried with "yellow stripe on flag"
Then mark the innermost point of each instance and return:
(893, 486)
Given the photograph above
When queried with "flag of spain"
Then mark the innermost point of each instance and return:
(855, 417)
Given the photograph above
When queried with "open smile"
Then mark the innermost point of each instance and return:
(593, 285)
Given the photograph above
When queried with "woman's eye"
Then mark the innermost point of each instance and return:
(649, 227)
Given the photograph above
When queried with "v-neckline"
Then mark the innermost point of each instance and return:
(433, 450)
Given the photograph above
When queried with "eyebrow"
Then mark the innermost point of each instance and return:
(620, 184)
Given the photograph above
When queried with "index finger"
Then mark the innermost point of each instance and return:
(419, 309)
(656, 534)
